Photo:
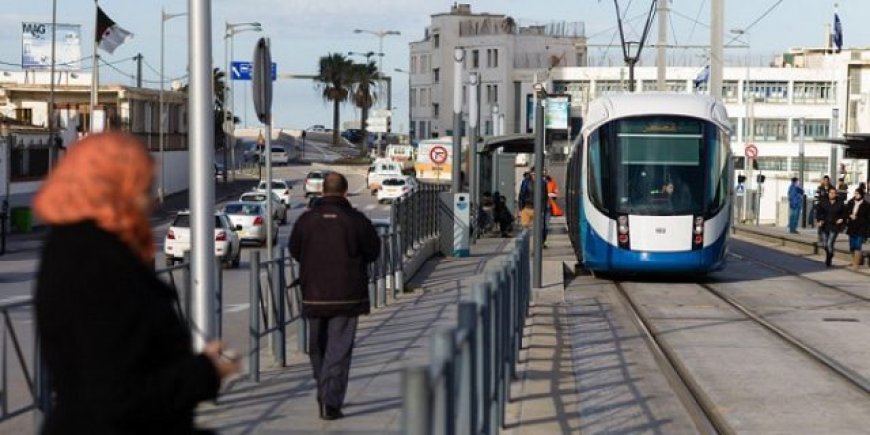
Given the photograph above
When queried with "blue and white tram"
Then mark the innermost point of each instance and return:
(648, 184)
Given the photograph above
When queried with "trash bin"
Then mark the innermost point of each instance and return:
(22, 219)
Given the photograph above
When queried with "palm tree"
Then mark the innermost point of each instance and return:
(220, 116)
(335, 78)
(365, 77)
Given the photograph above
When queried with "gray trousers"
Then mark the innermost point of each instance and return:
(330, 341)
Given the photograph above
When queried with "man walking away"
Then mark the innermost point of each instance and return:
(829, 217)
(821, 197)
(333, 243)
(795, 200)
(857, 222)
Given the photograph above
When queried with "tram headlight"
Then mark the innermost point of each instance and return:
(698, 238)
(622, 229)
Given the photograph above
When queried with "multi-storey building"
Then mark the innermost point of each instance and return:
(495, 46)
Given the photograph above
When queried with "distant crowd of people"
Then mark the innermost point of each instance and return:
(494, 210)
(834, 213)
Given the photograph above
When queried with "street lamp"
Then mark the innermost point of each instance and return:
(164, 17)
(748, 128)
(380, 34)
(410, 118)
(231, 29)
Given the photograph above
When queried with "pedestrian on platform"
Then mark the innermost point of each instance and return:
(527, 216)
(334, 244)
(795, 201)
(525, 187)
(543, 184)
(830, 216)
(821, 197)
(857, 224)
(502, 215)
(118, 352)
(842, 189)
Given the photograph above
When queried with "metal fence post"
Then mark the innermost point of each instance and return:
(185, 285)
(254, 319)
(480, 295)
(395, 251)
(279, 285)
(219, 296)
(381, 267)
(469, 410)
(416, 393)
(443, 415)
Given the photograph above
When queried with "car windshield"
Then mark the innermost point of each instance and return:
(277, 150)
(394, 182)
(183, 221)
(255, 197)
(276, 185)
(315, 175)
(243, 209)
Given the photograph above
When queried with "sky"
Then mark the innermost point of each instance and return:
(301, 31)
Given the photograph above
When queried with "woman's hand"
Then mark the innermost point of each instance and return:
(226, 364)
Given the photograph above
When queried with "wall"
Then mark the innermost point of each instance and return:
(176, 171)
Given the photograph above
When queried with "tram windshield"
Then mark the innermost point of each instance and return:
(655, 165)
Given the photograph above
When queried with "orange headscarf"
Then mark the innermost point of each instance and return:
(104, 178)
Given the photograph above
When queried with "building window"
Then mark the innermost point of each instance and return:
(773, 163)
(604, 87)
(812, 164)
(494, 94)
(814, 92)
(579, 91)
(435, 110)
(436, 74)
(729, 91)
(424, 63)
(733, 122)
(413, 98)
(24, 116)
(768, 92)
(413, 64)
(475, 58)
(487, 129)
(436, 40)
(495, 58)
(770, 130)
(488, 58)
(814, 129)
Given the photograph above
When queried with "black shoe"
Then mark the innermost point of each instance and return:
(329, 413)
(828, 259)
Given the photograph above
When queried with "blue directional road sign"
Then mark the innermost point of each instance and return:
(240, 70)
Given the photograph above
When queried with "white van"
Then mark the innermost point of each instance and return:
(380, 170)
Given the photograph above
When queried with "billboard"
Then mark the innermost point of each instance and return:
(36, 46)
(557, 112)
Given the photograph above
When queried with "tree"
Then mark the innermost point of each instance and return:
(365, 77)
(219, 106)
(335, 78)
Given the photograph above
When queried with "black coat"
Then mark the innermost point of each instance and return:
(861, 224)
(118, 353)
(829, 213)
(334, 244)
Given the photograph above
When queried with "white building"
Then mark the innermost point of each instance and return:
(495, 46)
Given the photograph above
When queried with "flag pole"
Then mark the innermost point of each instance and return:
(95, 76)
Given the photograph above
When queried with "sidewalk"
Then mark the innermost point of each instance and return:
(806, 240)
(388, 341)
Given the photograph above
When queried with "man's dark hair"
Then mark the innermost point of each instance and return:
(826, 177)
(794, 179)
(334, 184)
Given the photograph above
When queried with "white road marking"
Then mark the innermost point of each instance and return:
(370, 207)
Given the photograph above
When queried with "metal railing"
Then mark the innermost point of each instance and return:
(20, 371)
(467, 384)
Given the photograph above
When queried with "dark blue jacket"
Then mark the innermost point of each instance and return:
(795, 196)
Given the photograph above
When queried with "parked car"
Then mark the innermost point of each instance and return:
(250, 219)
(227, 245)
(279, 210)
(392, 188)
(352, 134)
(317, 128)
(314, 182)
(279, 187)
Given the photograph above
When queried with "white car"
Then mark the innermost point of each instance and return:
(227, 245)
(279, 210)
(393, 188)
(314, 182)
(317, 128)
(280, 156)
(279, 187)
(381, 170)
(250, 220)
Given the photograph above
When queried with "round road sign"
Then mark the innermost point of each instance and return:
(438, 154)
(751, 151)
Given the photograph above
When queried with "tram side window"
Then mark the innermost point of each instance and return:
(596, 172)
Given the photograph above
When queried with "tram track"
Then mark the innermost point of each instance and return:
(690, 393)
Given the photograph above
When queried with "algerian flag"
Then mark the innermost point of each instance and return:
(109, 35)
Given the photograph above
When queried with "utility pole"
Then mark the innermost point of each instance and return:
(200, 139)
(717, 22)
(661, 48)
(538, 227)
(458, 57)
(473, 115)
(138, 59)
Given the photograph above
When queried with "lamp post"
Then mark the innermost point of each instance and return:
(380, 34)
(748, 128)
(164, 17)
(230, 30)
(410, 118)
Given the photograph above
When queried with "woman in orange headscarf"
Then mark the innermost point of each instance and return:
(118, 352)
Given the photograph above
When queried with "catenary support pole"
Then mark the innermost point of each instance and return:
(538, 227)
(458, 57)
(717, 18)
